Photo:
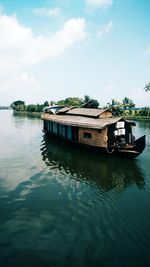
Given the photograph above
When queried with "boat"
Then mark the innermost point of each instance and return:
(95, 129)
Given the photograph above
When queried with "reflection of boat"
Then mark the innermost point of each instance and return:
(102, 171)
(93, 128)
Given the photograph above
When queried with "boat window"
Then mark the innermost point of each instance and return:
(87, 135)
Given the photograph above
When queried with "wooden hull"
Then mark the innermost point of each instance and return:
(121, 152)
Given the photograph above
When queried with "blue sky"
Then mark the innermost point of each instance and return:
(53, 49)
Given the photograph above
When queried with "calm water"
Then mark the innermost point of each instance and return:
(63, 207)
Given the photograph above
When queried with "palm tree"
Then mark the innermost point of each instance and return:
(114, 103)
(87, 98)
(147, 87)
(115, 107)
(127, 103)
(89, 102)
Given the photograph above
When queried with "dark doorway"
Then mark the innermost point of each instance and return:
(111, 136)
(75, 133)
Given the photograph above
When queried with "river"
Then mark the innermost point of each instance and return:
(61, 206)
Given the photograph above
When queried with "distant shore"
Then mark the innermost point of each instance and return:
(137, 118)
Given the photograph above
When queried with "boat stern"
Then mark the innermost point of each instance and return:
(140, 144)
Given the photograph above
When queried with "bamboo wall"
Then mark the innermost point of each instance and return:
(97, 139)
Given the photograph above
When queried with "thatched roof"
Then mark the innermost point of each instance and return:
(79, 121)
(64, 110)
(87, 112)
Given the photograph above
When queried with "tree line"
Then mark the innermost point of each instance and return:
(86, 102)
(126, 106)
(4, 107)
(20, 106)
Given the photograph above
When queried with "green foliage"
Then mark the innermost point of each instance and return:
(86, 99)
(127, 103)
(4, 107)
(117, 111)
(114, 103)
(115, 107)
(144, 111)
(147, 87)
(119, 108)
(52, 103)
(20, 106)
(46, 104)
(125, 108)
(93, 103)
(87, 102)
(17, 103)
(71, 101)
(60, 103)
(90, 102)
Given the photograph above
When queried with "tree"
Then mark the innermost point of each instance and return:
(114, 103)
(144, 111)
(147, 87)
(17, 103)
(52, 102)
(115, 107)
(61, 103)
(89, 102)
(71, 101)
(87, 98)
(93, 103)
(127, 103)
(46, 104)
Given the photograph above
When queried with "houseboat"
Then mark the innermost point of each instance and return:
(93, 128)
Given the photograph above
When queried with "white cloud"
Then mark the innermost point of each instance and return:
(20, 50)
(20, 85)
(19, 42)
(48, 12)
(98, 3)
(106, 29)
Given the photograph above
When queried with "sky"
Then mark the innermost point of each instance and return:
(54, 49)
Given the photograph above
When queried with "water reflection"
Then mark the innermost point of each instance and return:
(102, 171)
(26, 114)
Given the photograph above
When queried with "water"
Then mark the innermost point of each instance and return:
(61, 206)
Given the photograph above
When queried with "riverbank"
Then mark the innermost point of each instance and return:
(137, 118)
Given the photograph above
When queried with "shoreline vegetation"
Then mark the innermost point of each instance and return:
(126, 108)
